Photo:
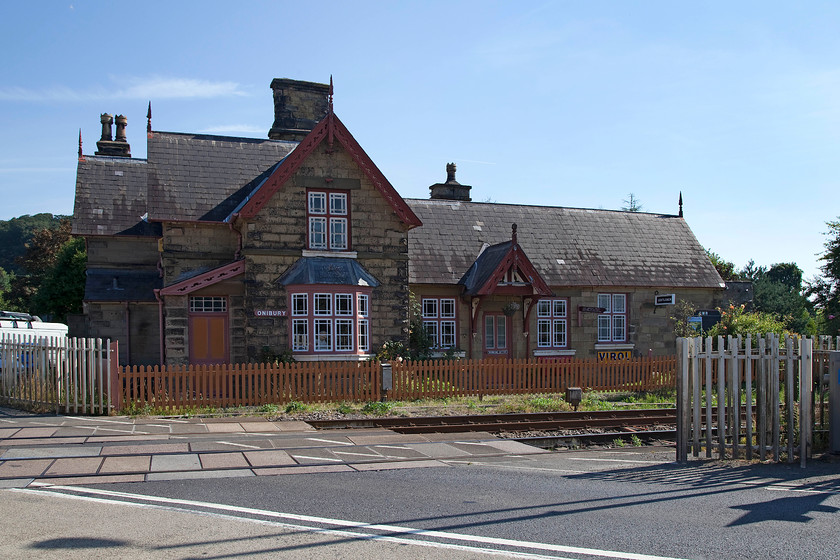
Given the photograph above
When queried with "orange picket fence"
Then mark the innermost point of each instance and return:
(230, 385)
(462, 378)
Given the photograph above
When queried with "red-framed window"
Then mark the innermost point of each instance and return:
(330, 319)
(440, 321)
(328, 219)
(612, 322)
(552, 323)
(495, 333)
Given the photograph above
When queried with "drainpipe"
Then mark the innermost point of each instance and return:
(160, 325)
(127, 334)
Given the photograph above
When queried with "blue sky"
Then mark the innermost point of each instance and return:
(736, 104)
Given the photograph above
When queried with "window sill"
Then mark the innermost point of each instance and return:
(331, 357)
(441, 354)
(335, 254)
(549, 353)
(614, 346)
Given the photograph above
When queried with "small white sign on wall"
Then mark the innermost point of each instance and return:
(665, 299)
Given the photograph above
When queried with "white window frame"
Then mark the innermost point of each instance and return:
(327, 217)
(439, 316)
(208, 304)
(330, 322)
(552, 323)
(612, 323)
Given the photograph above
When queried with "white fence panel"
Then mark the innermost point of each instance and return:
(71, 375)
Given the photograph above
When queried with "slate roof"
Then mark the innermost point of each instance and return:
(111, 197)
(484, 266)
(567, 246)
(327, 270)
(113, 284)
(204, 177)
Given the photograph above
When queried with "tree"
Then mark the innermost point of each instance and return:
(38, 259)
(17, 232)
(62, 288)
(778, 291)
(632, 204)
(6, 279)
(825, 291)
(725, 268)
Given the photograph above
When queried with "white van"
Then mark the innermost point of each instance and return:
(26, 324)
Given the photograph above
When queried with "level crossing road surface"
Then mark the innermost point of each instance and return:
(631, 503)
(89, 450)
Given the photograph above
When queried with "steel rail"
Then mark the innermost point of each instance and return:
(510, 422)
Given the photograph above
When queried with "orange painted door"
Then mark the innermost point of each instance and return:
(209, 342)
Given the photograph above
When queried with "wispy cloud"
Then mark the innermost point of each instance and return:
(227, 129)
(151, 87)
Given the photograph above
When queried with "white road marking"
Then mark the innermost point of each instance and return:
(357, 525)
(504, 466)
(615, 460)
(97, 420)
(377, 455)
(302, 528)
(392, 447)
(317, 458)
(239, 444)
(331, 441)
(114, 430)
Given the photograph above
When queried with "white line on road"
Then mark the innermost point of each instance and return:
(377, 455)
(545, 547)
(392, 447)
(498, 465)
(614, 460)
(239, 444)
(330, 441)
(317, 458)
(97, 420)
(302, 528)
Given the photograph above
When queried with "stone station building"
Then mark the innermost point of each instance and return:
(220, 249)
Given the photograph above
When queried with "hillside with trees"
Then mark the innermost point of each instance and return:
(42, 267)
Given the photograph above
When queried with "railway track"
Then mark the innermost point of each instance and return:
(600, 421)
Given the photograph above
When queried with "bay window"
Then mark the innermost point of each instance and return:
(330, 319)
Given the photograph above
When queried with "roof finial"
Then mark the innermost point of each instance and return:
(331, 95)
(81, 156)
(149, 119)
(513, 234)
(330, 117)
(681, 205)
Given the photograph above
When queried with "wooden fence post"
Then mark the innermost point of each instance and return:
(806, 420)
(683, 402)
(115, 393)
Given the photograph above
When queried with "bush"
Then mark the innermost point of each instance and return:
(735, 321)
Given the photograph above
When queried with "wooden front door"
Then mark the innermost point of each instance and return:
(209, 342)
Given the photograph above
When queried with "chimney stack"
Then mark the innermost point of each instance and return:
(118, 147)
(298, 107)
(451, 189)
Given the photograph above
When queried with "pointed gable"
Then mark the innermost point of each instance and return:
(330, 129)
(504, 268)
